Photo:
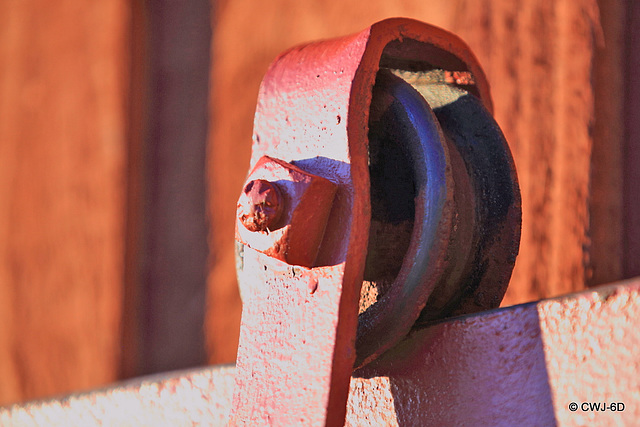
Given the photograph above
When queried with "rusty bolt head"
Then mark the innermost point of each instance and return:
(260, 205)
(290, 206)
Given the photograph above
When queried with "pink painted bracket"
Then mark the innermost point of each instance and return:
(296, 351)
(298, 335)
(297, 345)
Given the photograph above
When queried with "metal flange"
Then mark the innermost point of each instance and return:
(445, 201)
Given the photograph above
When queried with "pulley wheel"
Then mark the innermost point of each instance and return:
(445, 202)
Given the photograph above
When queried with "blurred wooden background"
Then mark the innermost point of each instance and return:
(125, 131)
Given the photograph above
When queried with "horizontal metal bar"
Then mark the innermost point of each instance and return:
(520, 365)
(180, 398)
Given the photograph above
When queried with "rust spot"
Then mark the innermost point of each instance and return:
(462, 78)
(260, 205)
(313, 286)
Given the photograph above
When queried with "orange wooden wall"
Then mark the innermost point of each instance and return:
(77, 112)
(63, 142)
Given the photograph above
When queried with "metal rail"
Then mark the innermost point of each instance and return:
(520, 365)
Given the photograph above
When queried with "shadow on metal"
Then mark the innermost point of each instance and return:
(519, 365)
(487, 369)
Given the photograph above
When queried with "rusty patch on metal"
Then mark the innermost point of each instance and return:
(286, 210)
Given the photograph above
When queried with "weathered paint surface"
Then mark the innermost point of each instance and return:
(520, 365)
(301, 118)
(198, 397)
(295, 346)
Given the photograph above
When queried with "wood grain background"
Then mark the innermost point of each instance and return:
(63, 143)
(87, 214)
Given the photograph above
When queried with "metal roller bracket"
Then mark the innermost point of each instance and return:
(375, 161)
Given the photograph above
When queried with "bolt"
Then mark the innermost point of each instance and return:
(260, 205)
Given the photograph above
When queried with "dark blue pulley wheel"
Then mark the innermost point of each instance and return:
(446, 210)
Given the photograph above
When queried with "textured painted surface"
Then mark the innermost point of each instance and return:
(520, 365)
(313, 111)
(199, 397)
(303, 110)
(600, 363)
(241, 62)
(63, 146)
(285, 359)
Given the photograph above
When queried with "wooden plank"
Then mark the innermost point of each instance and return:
(132, 315)
(63, 79)
(167, 231)
(607, 255)
(540, 58)
(631, 166)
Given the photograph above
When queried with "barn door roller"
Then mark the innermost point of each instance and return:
(381, 195)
